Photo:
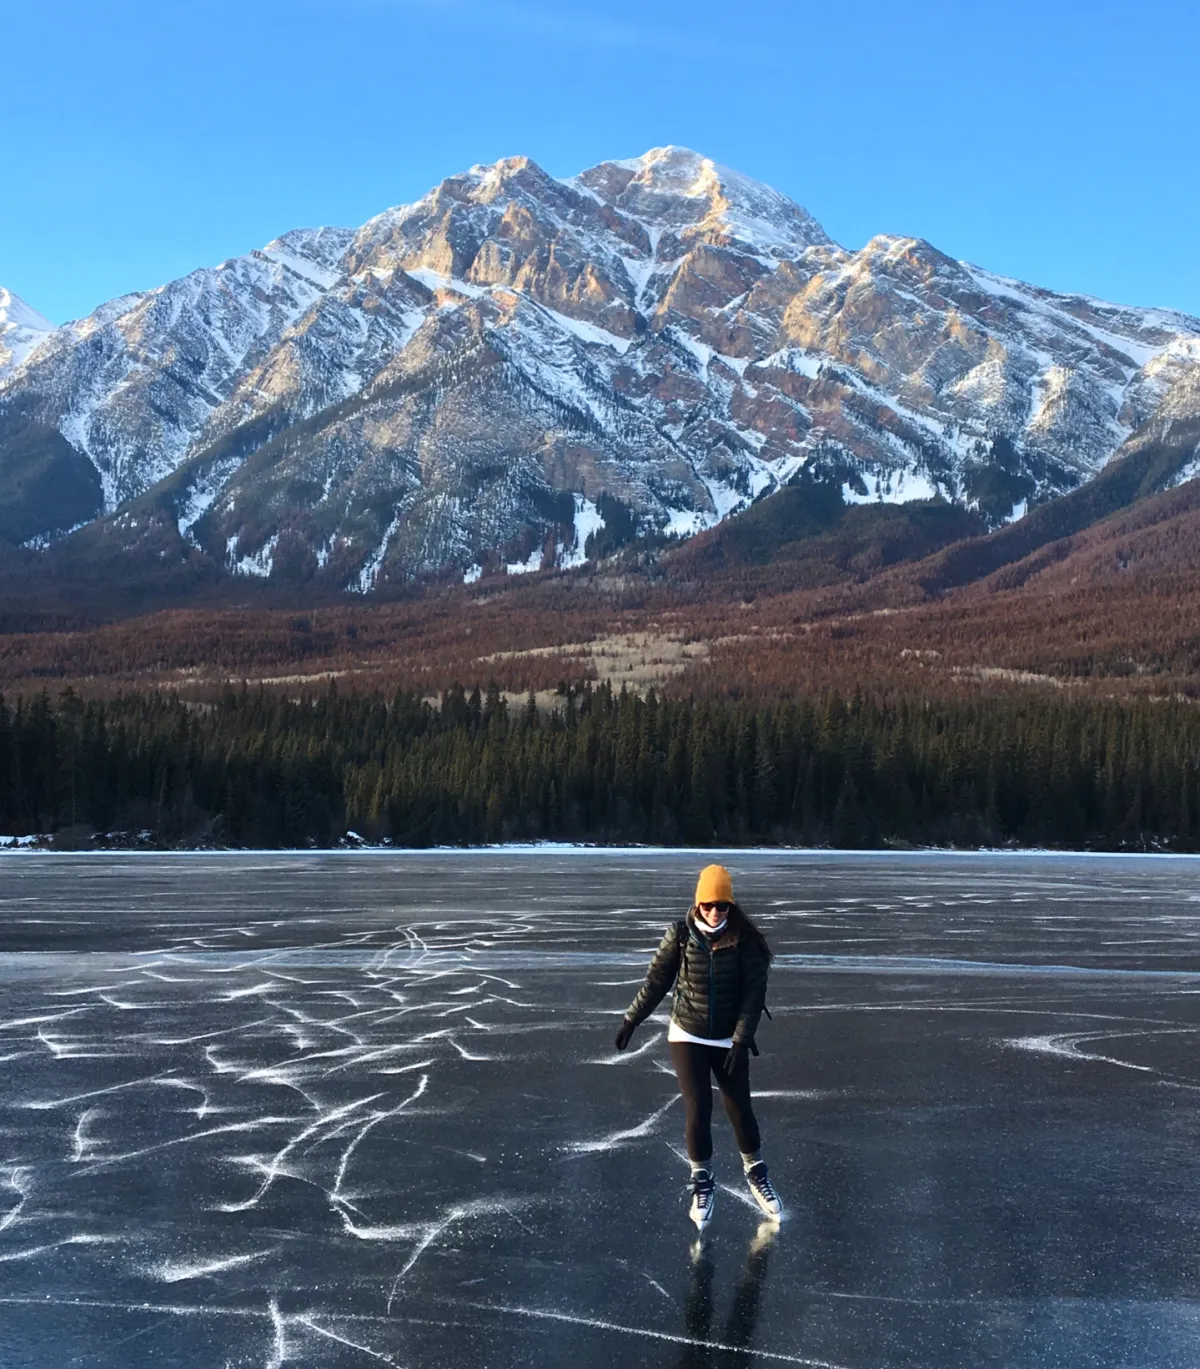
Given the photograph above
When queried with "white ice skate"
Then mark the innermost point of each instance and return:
(761, 1190)
(704, 1192)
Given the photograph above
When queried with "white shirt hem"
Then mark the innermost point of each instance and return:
(676, 1033)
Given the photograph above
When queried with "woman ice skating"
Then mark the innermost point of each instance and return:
(718, 961)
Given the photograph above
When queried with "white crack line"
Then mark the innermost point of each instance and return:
(275, 1166)
(279, 1352)
(422, 1085)
(597, 1324)
(17, 1182)
(83, 1145)
(307, 1321)
(614, 1138)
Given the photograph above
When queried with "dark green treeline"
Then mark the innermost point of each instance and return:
(256, 769)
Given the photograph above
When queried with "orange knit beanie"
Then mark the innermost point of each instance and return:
(715, 885)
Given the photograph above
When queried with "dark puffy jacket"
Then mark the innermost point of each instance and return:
(718, 992)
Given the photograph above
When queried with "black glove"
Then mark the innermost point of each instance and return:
(734, 1057)
(626, 1032)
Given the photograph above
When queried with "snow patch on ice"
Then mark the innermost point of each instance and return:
(175, 1271)
(1067, 1047)
(615, 1138)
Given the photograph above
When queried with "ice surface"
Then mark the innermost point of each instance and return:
(363, 1108)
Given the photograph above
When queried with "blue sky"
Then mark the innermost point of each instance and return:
(1055, 141)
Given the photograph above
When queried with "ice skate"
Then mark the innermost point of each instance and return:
(761, 1190)
(704, 1192)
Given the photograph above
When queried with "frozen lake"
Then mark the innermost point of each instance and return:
(341, 1110)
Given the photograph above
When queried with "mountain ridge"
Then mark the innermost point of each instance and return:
(459, 384)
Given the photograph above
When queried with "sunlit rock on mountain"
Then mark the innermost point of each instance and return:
(516, 364)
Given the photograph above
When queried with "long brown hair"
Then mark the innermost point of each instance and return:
(748, 929)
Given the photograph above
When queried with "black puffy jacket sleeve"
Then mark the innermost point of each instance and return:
(659, 977)
(754, 993)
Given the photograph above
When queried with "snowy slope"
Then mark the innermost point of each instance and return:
(21, 330)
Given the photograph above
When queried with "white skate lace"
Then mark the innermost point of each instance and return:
(763, 1184)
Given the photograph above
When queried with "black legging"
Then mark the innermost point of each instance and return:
(693, 1065)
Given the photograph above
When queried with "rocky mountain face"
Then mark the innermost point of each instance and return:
(518, 371)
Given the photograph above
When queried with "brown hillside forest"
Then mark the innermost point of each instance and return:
(804, 673)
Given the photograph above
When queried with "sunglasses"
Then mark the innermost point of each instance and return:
(720, 906)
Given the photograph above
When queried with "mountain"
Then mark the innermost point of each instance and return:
(517, 371)
(21, 330)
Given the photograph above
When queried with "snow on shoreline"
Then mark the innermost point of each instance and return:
(42, 845)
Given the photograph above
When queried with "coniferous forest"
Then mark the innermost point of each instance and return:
(254, 768)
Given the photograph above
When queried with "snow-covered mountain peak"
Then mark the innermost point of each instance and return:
(646, 347)
(498, 178)
(14, 312)
(21, 330)
(676, 189)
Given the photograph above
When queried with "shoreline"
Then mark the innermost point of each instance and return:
(44, 846)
